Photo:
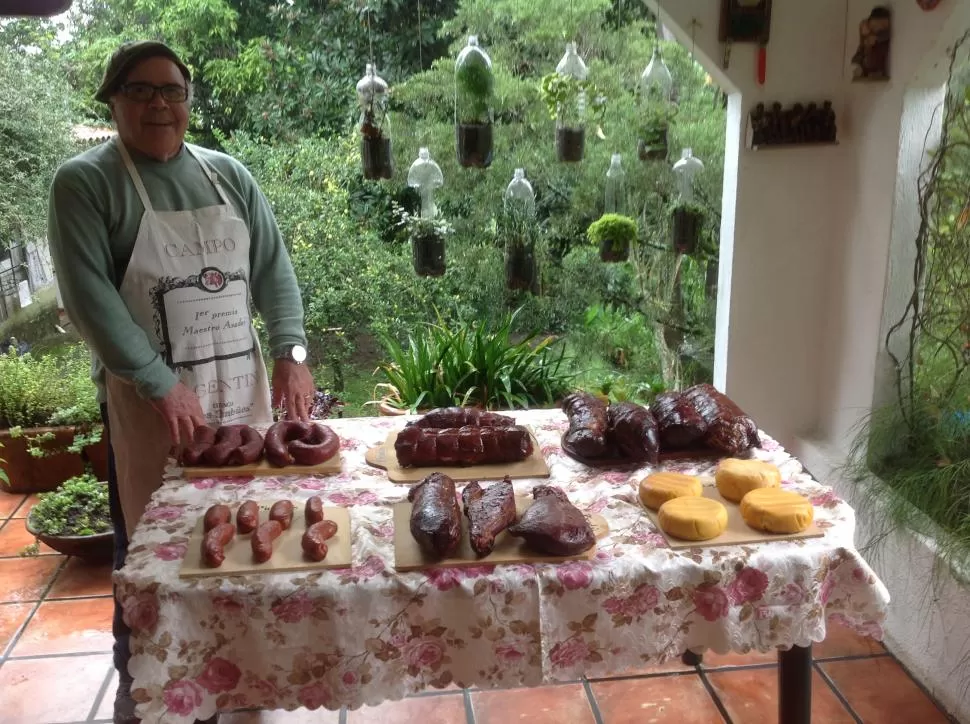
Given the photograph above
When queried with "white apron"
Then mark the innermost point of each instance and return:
(187, 287)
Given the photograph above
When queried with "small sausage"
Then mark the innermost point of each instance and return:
(314, 540)
(216, 515)
(263, 538)
(247, 517)
(282, 511)
(314, 510)
(214, 544)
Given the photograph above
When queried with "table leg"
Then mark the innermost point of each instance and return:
(795, 685)
(691, 659)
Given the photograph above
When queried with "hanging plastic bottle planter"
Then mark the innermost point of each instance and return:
(566, 93)
(656, 89)
(518, 227)
(428, 230)
(614, 232)
(375, 142)
(688, 216)
(474, 90)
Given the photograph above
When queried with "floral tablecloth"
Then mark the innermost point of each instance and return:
(366, 634)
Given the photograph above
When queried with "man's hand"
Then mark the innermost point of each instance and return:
(182, 413)
(293, 389)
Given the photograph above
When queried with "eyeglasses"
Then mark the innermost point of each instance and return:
(145, 92)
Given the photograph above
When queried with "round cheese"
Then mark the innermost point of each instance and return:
(777, 511)
(693, 518)
(735, 478)
(658, 488)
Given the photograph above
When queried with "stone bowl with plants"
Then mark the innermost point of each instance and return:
(75, 519)
(614, 234)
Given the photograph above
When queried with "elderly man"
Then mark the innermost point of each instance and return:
(158, 247)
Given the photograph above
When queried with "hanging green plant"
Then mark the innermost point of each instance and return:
(688, 222)
(614, 234)
(652, 132)
(517, 233)
(474, 91)
(562, 95)
(427, 238)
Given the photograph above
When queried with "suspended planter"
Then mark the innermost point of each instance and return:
(517, 227)
(614, 234)
(616, 199)
(656, 82)
(688, 217)
(375, 142)
(571, 98)
(474, 90)
(652, 133)
(427, 231)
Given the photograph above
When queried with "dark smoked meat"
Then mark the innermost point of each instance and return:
(680, 426)
(729, 430)
(586, 435)
(553, 525)
(462, 417)
(427, 447)
(489, 511)
(435, 515)
(633, 431)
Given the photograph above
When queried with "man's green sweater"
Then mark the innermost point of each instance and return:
(93, 220)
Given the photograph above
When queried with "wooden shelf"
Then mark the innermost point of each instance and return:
(779, 146)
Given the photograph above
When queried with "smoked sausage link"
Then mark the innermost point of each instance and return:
(315, 539)
(282, 512)
(214, 544)
(216, 515)
(263, 538)
(247, 517)
(314, 510)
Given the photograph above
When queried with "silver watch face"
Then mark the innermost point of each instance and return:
(298, 353)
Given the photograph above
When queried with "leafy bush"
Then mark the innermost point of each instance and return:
(474, 364)
(615, 228)
(48, 390)
(79, 506)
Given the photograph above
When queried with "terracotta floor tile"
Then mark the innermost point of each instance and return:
(79, 578)
(751, 697)
(26, 689)
(24, 579)
(713, 660)
(671, 667)
(444, 709)
(9, 502)
(880, 690)
(11, 616)
(26, 506)
(660, 700)
(14, 538)
(300, 716)
(843, 641)
(542, 705)
(63, 627)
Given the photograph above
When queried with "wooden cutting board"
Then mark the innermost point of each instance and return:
(384, 456)
(287, 551)
(328, 467)
(737, 532)
(409, 556)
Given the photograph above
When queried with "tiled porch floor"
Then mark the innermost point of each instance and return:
(55, 668)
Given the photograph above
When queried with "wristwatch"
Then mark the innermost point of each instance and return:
(293, 353)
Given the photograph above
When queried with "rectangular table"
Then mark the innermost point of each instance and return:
(367, 634)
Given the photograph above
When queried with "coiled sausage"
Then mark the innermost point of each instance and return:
(292, 442)
(227, 445)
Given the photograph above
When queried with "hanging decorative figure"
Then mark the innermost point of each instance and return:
(871, 60)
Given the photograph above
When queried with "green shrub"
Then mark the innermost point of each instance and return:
(474, 364)
(618, 229)
(48, 390)
(79, 506)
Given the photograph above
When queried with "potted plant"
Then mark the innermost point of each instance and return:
(375, 143)
(474, 89)
(516, 231)
(614, 234)
(427, 238)
(569, 100)
(652, 133)
(75, 519)
(49, 420)
(688, 221)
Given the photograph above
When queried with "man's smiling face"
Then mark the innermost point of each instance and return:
(154, 127)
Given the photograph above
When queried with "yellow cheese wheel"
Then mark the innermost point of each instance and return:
(693, 518)
(735, 478)
(658, 488)
(777, 511)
